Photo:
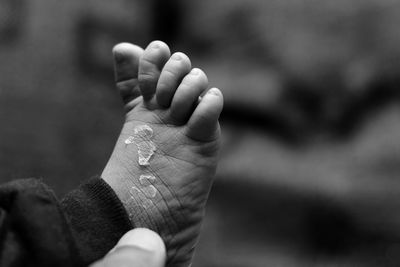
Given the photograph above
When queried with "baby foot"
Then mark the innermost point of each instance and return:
(165, 159)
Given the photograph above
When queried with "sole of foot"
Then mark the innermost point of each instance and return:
(165, 159)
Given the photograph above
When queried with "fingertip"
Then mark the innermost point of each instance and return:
(144, 238)
(130, 256)
(142, 242)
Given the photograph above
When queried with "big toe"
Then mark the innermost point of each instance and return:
(203, 124)
(126, 65)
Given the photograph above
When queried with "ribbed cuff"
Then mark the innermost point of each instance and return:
(97, 218)
(98, 190)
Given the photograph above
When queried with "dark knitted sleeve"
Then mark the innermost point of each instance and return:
(36, 230)
(96, 217)
(33, 231)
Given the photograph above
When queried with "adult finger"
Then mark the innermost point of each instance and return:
(137, 248)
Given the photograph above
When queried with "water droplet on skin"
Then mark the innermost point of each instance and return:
(146, 192)
(146, 179)
(142, 138)
(129, 140)
(148, 189)
(147, 203)
(145, 151)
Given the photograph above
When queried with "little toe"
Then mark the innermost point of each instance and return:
(150, 65)
(171, 76)
(187, 95)
(203, 124)
(126, 64)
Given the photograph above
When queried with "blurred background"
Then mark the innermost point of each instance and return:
(309, 172)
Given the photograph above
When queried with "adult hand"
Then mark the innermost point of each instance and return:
(137, 248)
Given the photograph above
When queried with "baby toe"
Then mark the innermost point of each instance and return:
(126, 64)
(150, 65)
(203, 124)
(171, 76)
(187, 95)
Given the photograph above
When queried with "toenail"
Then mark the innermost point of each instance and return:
(176, 56)
(155, 45)
(213, 91)
(195, 72)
